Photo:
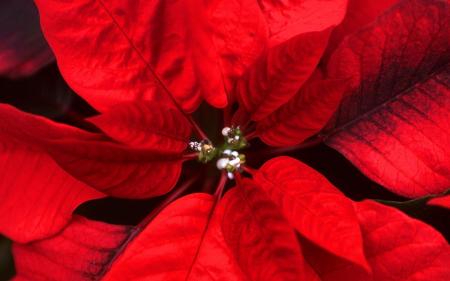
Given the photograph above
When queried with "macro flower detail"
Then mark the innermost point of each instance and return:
(203, 112)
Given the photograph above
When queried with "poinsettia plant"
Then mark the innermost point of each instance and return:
(204, 108)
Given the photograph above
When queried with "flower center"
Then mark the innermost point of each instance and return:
(228, 157)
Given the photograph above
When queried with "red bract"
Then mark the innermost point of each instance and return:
(397, 248)
(392, 124)
(48, 169)
(38, 196)
(246, 238)
(145, 65)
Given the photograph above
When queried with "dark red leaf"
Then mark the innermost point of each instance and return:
(317, 209)
(184, 242)
(304, 115)
(116, 170)
(116, 50)
(23, 49)
(359, 14)
(37, 197)
(392, 124)
(279, 74)
(398, 248)
(80, 252)
(287, 19)
(262, 241)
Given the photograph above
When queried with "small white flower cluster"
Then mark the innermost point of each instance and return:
(230, 161)
(195, 146)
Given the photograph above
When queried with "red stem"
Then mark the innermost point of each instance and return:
(249, 170)
(140, 227)
(251, 136)
(169, 199)
(190, 156)
(220, 186)
(238, 178)
(198, 131)
(227, 116)
(306, 144)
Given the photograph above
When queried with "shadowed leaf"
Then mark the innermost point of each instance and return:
(392, 124)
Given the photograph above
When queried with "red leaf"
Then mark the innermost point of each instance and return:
(120, 172)
(110, 167)
(239, 34)
(304, 115)
(398, 248)
(392, 124)
(359, 14)
(23, 49)
(116, 49)
(287, 19)
(116, 170)
(36, 195)
(260, 238)
(317, 209)
(279, 74)
(80, 252)
(184, 242)
(146, 125)
(443, 201)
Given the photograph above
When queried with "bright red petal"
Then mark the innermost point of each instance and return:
(263, 242)
(146, 125)
(113, 51)
(287, 19)
(81, 251)
(443, 201)
(278, 75)
(37, 197)
(304, 115)
(184, 242)
(398, 249)
(393, 122)
(23, 49)
(317, 209)
(239, 32)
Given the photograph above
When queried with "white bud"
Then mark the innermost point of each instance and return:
(227, 152)
(230, 175)
(196, 146)
(235, 154)
(222, 163)
(226, 131)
